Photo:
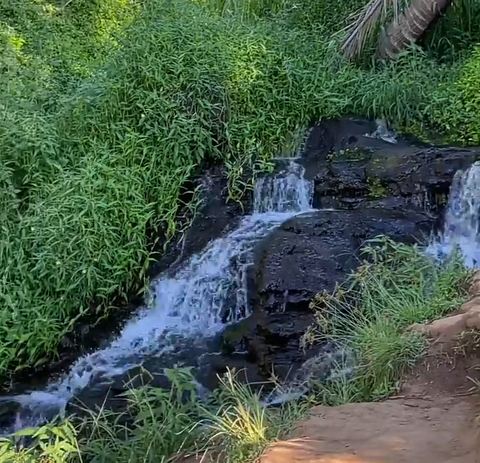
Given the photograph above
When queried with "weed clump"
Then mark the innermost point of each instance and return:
(161, 425)
(458, 104)
(396, 287)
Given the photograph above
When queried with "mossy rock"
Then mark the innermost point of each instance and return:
(350, 154)
(377, 189)
(385, 165)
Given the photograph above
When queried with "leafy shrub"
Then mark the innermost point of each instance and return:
(456, 33)
(319, 16)
(457, 103)
(53, 443)
(401, 91)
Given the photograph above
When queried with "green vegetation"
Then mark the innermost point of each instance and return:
(355, 154)
(369, 317)
(377, 190)
(160, 425)
(456, 34)
(110, 106)
(460, 120)
(55, 205)
(49, 444)
(395, 288)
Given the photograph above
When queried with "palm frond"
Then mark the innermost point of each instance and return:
(363, 23)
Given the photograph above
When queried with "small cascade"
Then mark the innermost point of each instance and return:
(190, 307)
(287, 192)
(462, 222)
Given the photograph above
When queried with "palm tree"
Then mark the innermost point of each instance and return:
(409, 24)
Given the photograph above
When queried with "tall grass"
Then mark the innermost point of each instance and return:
(161, 425)
(240, 425)
(456, 33)
(396, 287)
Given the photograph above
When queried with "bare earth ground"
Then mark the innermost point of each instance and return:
(432, 420)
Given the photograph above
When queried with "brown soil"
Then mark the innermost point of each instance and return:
(432, 420)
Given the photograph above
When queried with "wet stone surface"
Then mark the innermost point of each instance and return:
(314, 251)
(351, 170)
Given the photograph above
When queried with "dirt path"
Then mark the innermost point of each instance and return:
(388, 432)
(434, 420)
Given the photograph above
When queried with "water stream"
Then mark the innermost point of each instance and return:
(187, 309)
(462, 225)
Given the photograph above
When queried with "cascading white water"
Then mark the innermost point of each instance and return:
(462, 219)
(191, 306)
(291, 192)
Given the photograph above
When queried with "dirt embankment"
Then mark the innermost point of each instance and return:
(434, 419)
(433, 426)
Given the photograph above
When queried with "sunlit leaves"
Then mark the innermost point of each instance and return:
(46, 444)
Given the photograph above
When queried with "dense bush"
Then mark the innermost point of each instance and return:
(456, 33)
(457, 106)
(98, 136)
(319, 16)
(47, 49)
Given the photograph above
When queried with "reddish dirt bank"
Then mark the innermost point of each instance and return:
(434, 419)
(423, 430)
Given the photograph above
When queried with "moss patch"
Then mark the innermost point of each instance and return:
(376, 189)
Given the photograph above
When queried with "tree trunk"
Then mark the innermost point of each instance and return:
(410, 26)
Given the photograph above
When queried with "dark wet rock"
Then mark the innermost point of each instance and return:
(312, 252)
(112, 393)
(332, 361)
(417, 170)
(213, 366)
(309, 253)
(419, 175)
(8, 411)
(342, 180)
(275, 343)
(214, 216)
(351, 169)
(268, 344)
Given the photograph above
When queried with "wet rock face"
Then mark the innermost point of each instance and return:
(213, 217)
(351, 170)
(258, 346)
(312, 252)
(8, 411)
(374, 188)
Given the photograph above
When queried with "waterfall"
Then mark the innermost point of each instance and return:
(189, 307)
(461, 225)
(288, 193)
